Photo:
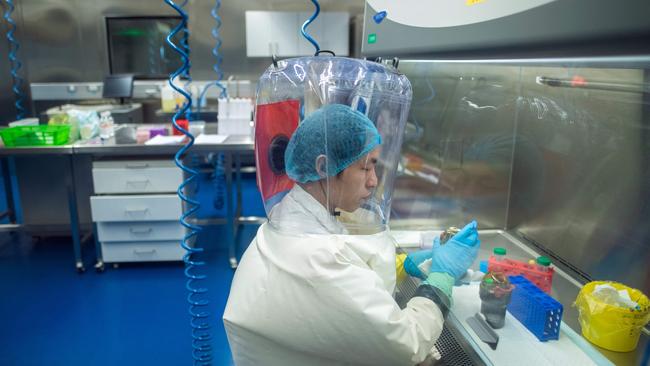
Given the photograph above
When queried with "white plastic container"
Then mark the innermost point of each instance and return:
(168, 100)
(197, 128)
(106, 125)
(235, 116)
(24, 122)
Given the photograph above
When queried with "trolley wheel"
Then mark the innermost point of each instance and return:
(233, 263)
(116, 265)
(99, 266)
(80, 267)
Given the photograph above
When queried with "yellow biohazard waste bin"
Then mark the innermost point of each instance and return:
(608, 326)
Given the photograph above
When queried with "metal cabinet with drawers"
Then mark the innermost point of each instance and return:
(136, 210)
(118, 177)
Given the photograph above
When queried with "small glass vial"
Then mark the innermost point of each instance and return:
(499, 254)
(448, 234)
(543, 263)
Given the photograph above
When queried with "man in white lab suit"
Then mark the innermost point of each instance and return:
(315, 286)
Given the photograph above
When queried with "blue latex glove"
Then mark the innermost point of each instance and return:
(413, 260)
(457, 254)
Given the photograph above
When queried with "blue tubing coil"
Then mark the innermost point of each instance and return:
(14, 61)
(303, 29)
(197, 294)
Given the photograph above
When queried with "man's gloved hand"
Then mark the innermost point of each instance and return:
(413, 260)
(455, 256)
(417, 263)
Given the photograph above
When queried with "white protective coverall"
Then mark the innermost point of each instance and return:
(323, 298)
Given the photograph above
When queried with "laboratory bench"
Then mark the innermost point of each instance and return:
(524, 348)
(103, 151)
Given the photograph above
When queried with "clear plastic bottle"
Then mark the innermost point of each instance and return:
(495, 291)
(167, 98)
(543, 263)
(499, 254)
(106, 125)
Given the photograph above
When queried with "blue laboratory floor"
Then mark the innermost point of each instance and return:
(136, 314)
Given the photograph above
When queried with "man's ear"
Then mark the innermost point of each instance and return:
(321, 166)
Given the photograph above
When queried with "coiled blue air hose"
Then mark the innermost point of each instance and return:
(185, 43)
(217, 55)
(14, 61)
(303, 30)
(151, 52)
(219, 176)
(201, 348)
(219, 182)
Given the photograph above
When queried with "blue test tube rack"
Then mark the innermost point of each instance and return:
(535, 309)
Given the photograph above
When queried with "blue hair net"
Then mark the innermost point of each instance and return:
(337, 131)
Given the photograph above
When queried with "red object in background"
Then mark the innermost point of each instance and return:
(274, 126)
(183, 123)
(511, 267)
(578, 81)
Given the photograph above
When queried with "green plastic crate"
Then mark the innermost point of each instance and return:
(42, 135)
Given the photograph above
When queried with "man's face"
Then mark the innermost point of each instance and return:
(355, 184)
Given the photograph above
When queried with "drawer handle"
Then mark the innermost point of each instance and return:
(140, 231)
(137, 165)
(136, 210)
(142, 252)
(134, 182)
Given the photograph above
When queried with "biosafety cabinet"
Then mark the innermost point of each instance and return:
(540, 27)
(532, 117)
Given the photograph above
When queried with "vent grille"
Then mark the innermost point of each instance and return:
(449, 347)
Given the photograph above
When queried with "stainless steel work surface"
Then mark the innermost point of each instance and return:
(109, 147)
(517, 343)
(565, 288)
(37, 150)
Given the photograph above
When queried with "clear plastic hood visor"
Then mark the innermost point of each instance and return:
(328, 135)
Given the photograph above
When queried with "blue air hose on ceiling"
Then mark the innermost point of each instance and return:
(217, 56)
(303, 30)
